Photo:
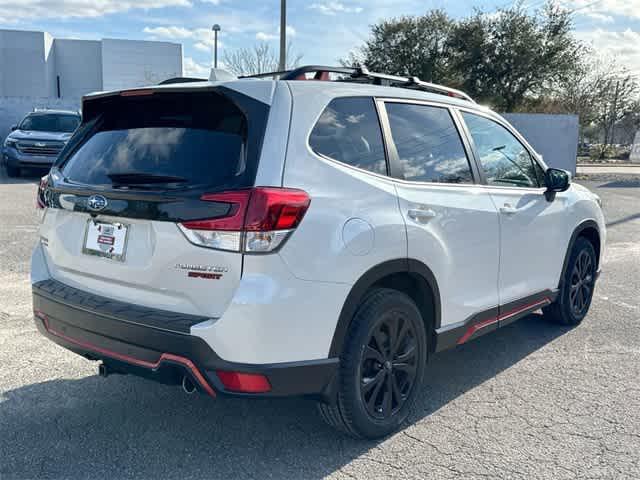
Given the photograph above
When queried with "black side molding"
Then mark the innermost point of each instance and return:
(491, 319)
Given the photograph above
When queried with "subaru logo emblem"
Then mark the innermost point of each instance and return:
(97, 203)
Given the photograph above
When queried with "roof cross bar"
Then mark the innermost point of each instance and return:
(360, 73)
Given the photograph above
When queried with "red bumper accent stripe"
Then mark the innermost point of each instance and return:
(165, 357)
(490, 321)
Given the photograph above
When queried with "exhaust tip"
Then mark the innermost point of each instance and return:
(188, 386)
(103, 371)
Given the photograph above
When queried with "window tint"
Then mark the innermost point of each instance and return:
(428, 144)
(504, 159)
(199, 138)
(348, 131)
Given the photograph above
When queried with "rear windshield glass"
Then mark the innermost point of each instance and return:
(50, 122)
(196, 138)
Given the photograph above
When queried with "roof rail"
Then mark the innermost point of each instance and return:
(362, 74)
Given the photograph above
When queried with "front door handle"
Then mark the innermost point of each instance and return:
(508, 209)
(421, 215)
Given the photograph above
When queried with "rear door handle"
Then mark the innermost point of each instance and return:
(421, 215)
(508, 209)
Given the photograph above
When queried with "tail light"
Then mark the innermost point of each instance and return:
(40, 200)
(258, 220)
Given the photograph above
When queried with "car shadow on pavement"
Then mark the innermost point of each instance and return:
(129, 427)
(27, 176)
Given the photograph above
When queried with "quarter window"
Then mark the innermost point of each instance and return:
(428, 144)
(505, 161)
(349, 131)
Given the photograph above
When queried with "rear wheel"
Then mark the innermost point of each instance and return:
(576, 292)
(13, 171)
(381, 368)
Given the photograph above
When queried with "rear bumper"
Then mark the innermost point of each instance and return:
(156, 344)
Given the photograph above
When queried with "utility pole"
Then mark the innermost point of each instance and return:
(282, 65)
(216, 29)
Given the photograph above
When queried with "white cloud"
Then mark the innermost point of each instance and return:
(194, 69)
(265, 37)
(333, 8)
(624, 46)
(203, 47)
(170, 32)
(11, 10)
(262, 36)
(202, 36)
(603, 10)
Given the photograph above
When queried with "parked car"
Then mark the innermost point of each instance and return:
(264, 238)
(38, 139)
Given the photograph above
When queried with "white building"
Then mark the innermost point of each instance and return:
(36, 65)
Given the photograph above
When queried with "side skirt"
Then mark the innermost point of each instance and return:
(490, 320)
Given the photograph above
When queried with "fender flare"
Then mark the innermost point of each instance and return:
(576, 233)
(369, 278)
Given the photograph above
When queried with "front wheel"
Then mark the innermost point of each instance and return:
(576, 292)
(381, 368)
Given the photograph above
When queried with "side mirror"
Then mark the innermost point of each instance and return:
(556, 180)
(14, 127)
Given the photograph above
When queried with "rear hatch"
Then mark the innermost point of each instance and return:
(144, 166)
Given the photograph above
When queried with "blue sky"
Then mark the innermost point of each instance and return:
(322, 30)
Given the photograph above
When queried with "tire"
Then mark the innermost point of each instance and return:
(13, 172)
(379, 379)
(578, 282)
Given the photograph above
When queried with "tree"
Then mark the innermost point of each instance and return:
(501, 58)
(510, 55)
(259, 59)
(408, 46)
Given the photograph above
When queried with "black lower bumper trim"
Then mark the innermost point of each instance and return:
(163, 355)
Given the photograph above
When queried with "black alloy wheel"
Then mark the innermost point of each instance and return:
(582, 282)
(577, 285)
(381, 367)
(388, 366)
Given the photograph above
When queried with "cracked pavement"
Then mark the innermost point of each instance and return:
(533, 400)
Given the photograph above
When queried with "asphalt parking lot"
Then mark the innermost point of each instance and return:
(532, 400)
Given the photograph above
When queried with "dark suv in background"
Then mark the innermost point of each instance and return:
(38, 139)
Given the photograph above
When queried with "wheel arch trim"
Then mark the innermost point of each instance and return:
(370, 278)
(577, 231)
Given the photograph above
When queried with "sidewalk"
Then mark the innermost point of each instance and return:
(590, 168)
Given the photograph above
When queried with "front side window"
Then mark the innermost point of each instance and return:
(349, 131)
(428, 144)
(505, 161)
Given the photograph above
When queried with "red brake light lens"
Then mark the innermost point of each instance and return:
(276, 209)
(40, 200)
(258, 220)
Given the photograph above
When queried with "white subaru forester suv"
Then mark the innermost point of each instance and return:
(320, 234)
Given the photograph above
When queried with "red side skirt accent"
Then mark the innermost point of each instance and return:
(490, 321)
(165, 357)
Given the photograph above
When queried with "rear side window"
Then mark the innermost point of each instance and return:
(196, 138)
(428, 144)
(349, 131)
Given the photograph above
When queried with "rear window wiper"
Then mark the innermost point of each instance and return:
(140, 178)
